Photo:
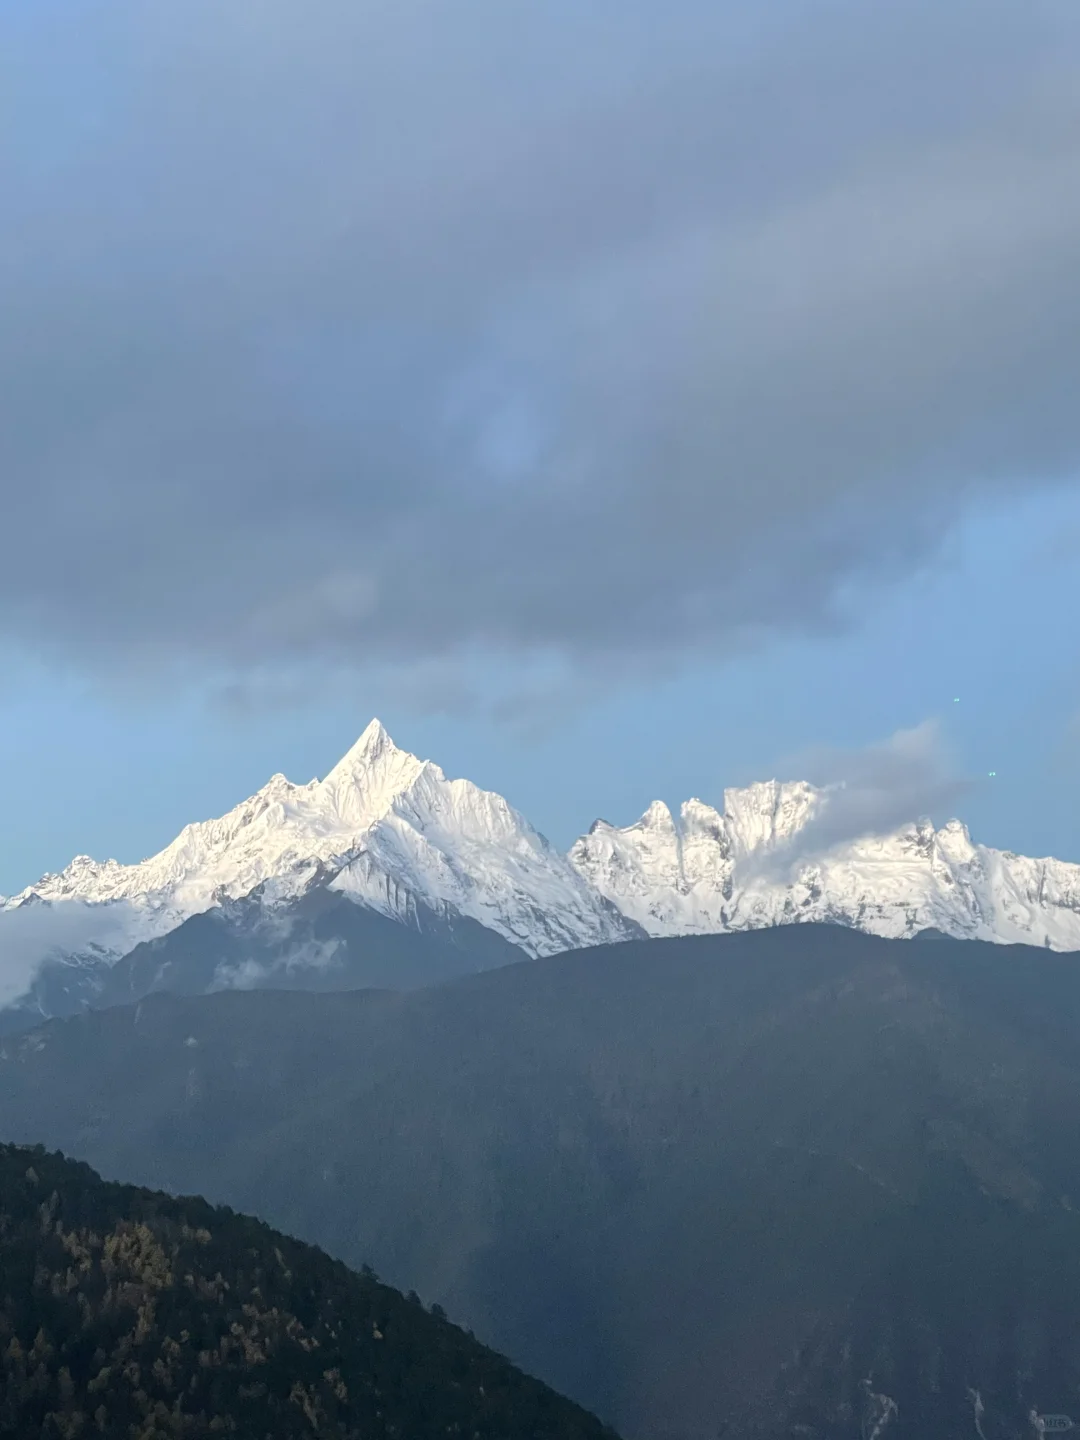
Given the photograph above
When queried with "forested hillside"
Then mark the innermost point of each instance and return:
(129, 1314)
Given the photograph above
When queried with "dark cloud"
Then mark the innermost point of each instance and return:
(371, 333)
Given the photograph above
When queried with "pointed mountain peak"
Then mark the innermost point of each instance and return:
(370, 776)
(374, 740)
(373, 746)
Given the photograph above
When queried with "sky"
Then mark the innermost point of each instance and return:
(622, 401)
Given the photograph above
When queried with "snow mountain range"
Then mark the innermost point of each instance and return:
(312, 884)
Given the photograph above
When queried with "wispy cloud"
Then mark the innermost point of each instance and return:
(32, 934)
(867, 792)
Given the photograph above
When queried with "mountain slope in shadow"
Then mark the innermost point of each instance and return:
(321, 940)
(794, 1181)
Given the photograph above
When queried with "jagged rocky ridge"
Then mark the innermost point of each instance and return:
(460, 867)
(709, 872)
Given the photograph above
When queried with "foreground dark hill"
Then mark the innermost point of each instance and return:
(127, 1313)
(793, 1178)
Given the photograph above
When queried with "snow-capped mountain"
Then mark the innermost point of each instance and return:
(707, 871)
(386, 829)
(459, 866)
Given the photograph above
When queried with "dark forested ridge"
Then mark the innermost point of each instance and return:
(126, 1313)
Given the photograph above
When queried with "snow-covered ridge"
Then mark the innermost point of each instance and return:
(383, 826)
(391, 832)
(706, 871)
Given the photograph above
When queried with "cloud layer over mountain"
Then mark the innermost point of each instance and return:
(377, 332)
(868, 792)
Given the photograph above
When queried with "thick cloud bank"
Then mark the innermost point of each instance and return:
(375, 332)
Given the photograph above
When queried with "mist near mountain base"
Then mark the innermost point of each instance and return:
(33, 933)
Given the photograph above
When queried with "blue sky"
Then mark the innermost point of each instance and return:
(621, 401)
(86, 771)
